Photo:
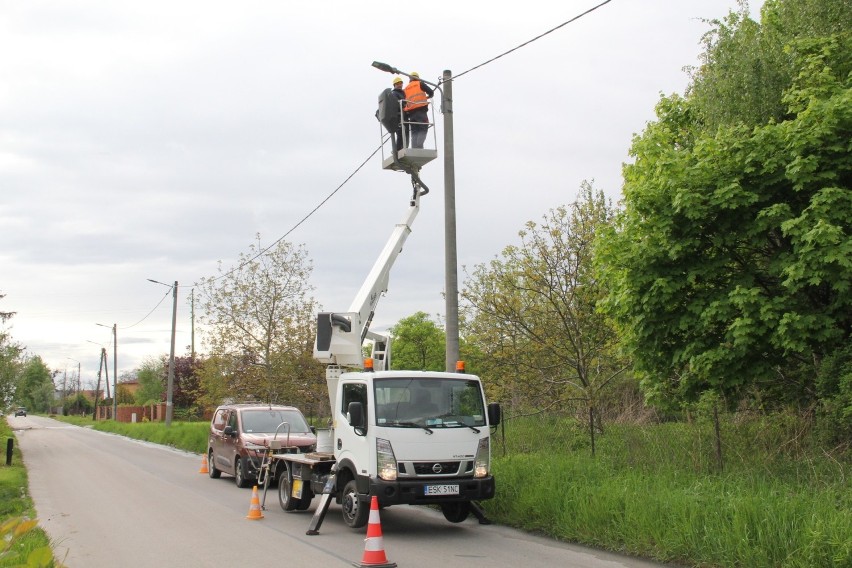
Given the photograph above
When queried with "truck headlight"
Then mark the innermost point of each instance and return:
(385, 460)
(483, 459)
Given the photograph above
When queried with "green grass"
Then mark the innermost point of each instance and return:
(651, 491)
(20, 543)
(189, 436)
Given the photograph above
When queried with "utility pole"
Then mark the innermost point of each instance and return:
(451, 280)
(170, 388)
(105, 364)
(192, 324)
(98, 387)
(115, 371)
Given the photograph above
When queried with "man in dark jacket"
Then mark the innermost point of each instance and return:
(396, 135)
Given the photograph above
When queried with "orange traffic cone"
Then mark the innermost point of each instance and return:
(374, 552)
(254, 513)
(204, 465)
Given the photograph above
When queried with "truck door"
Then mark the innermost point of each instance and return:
(351, 443)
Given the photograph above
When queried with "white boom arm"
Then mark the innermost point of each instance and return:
(340, 336)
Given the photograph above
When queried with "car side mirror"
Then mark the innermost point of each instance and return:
(229, 431)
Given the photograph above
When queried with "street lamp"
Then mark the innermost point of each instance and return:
(171, 384)
(450, 250)
(114, 328)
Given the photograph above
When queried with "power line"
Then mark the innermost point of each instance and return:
(149, 313)
(303, 219)
(323, 202)
(538, 37)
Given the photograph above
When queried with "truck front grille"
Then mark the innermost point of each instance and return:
(436, 468)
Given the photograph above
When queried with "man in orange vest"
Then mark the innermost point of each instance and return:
(417, 109)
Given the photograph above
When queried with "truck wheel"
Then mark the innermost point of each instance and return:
(305, 501)
(240, 477)
(211, 467)
(285, 486)
(355, 513)
(456, 512)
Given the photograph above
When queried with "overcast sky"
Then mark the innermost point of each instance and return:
(154, 139)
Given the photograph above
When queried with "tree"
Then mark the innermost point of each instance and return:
(745, 67)
(186, 381)
(10, 353)
(418, 344)
(151, 379)
(730, 267)
(261, 314)
(35, 385)
(533, 312)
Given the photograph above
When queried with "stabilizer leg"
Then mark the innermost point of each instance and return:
(325, 501)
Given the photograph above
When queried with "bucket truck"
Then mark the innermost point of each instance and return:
(406, 437)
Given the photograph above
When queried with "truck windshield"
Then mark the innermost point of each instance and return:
(437, 403)
(267, 420)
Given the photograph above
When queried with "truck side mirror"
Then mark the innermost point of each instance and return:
(355, 415)
(494, 413)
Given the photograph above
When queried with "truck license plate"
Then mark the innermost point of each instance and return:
(297, 489)
(442, 490)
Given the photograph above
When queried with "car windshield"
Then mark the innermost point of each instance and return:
(435, 403)
(267, 420)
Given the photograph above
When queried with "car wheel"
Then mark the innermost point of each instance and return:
(456, 512)
(355, 513)
(212, 471)
(240, 476)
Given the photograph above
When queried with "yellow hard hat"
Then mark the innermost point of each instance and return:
(397, 80)
(415, 74)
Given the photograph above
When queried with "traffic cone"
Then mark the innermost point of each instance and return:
(204, 465)
(254, 513)
(374, 551)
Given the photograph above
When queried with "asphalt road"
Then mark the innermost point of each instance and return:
(107, 501)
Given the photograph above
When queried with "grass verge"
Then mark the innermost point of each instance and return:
(22, 541)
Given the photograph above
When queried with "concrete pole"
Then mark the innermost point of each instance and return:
(171, 385)
(450, 254)
(192, 319)
(115, 371)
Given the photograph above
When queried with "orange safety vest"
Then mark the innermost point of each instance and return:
(415, 96)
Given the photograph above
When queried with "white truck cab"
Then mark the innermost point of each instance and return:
(412, 437)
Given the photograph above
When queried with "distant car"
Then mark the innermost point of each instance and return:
(21, 411)
(241, 433)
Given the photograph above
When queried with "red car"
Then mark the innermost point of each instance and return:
(241, 434)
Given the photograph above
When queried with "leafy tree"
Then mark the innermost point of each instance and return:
(186, 381)
(730, 267)
(260, 314)
(745, 67)
(35, 385)
(77, 405)
(533, 312)
(123, 395)
(418, 344)
(10, 353)
(151, 382)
